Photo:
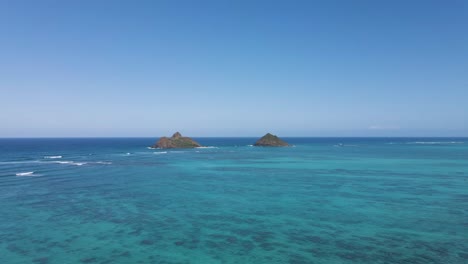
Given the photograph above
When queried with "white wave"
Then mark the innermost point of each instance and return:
(20, 162)
(63, 162)
(29, 173)
(435, 142)
(103, 162)
(151, 148)
(160, 152)
(70, 162)
(249, 145)
(52, 157)
(345, 145)
(207, 147)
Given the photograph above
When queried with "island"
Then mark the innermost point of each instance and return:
(270, 140)
(176, 141)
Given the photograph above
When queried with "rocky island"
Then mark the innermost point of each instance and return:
(176, 141)
(270, 140)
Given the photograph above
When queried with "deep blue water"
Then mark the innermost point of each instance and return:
(325, 200)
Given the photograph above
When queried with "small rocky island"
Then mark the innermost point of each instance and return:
(176, 141)
(270, 140)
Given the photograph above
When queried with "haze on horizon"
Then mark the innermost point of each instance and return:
(233, 68)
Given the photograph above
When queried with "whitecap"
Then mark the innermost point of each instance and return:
(160, 152)
(52, 157)
(62, 162)
(207, 147)
(22, 174)
(344, 145)
(435, 142)
(249, 145)
(103, 162)
(20, 162)
(70, 162)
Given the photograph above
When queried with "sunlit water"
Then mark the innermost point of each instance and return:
(322, 201)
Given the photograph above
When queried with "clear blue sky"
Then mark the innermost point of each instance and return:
(233, 68)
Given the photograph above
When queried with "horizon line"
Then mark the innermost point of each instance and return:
(91, 137)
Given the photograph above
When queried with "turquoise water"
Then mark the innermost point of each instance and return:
(336, 200)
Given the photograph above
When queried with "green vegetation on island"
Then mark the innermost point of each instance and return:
(176, 141)
(270, 140)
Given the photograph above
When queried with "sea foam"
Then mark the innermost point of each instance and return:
(435, 142)
(52, 157)
(70, 162)
(20, 162)
(103, 162)
(28, 173)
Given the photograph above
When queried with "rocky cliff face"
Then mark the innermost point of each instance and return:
(270, 140)
(176, 141)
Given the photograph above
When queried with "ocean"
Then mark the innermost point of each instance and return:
(323, 200)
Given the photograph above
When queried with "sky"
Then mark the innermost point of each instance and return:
(233, 68)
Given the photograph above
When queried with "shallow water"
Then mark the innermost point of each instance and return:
(335, 200)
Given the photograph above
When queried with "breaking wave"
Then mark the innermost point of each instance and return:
(81, 163)
(20, 162)
(52, 157)
(70, 162)
(345, 145)
(103, 162)
(435, 142)
(23, 174)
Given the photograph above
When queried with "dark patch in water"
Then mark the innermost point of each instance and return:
(214, 245)
(262, 236)
(247, 246)
(317, 252)
(231, 239)
(345, 245)
(43, 260)
(147, 242)
(301, 238)
(298, 259)
(16, 249)
(267, 246)
(242, 232)
(88, 260)
(135, 232)
(354, 256)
